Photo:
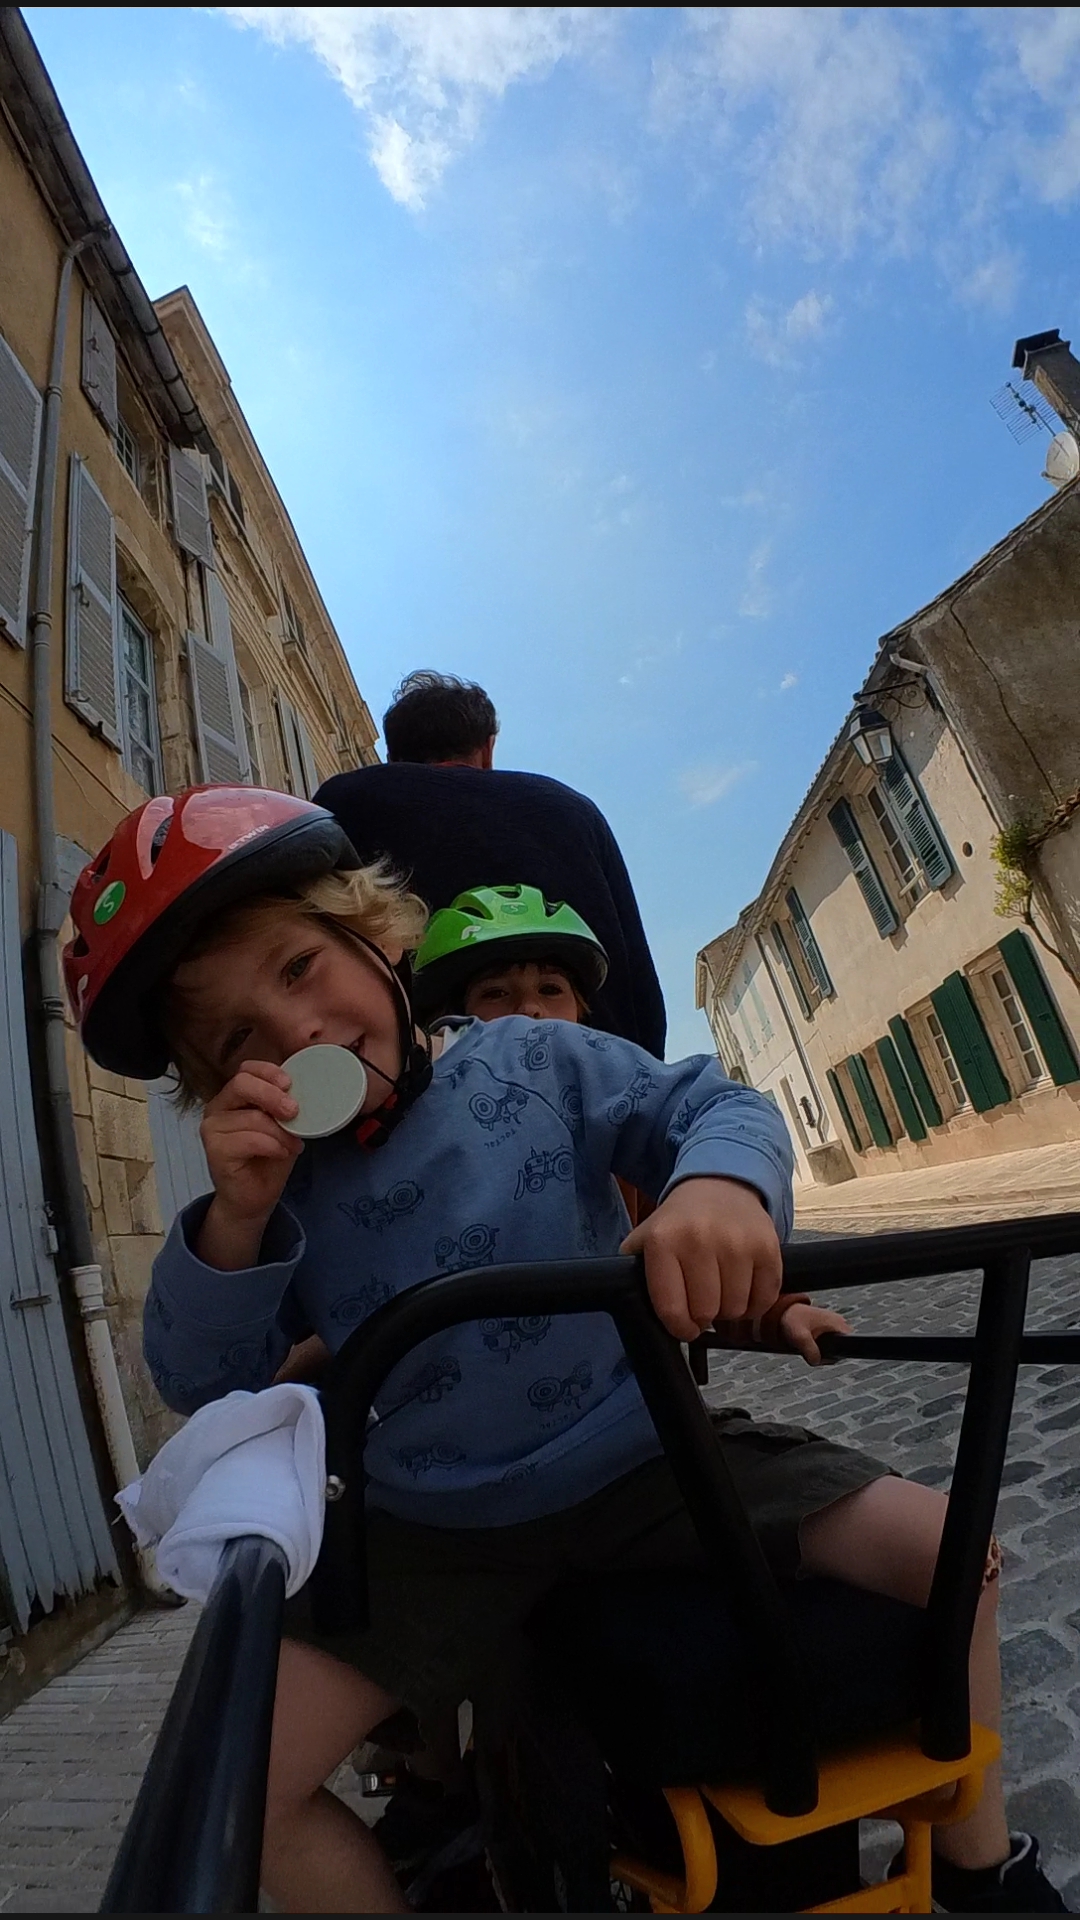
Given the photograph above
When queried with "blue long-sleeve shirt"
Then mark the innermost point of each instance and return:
(508, 1156)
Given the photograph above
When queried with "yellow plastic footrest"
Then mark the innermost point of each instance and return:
(854, 1786)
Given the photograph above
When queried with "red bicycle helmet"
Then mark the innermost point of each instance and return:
(169, 866)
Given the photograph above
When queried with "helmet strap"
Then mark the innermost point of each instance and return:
(414, 1075)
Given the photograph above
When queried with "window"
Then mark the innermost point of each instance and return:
(142, 756)
(807, 991)
(294, 626)
(944, 1057)
(127, 451)
(1008, 1023)
(251, 731)
(846, 828)
(911, 882)
(915, 820)
(1025, 1045)
(808, 946)
(20, 427)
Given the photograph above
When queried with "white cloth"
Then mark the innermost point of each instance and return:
(252, 1463)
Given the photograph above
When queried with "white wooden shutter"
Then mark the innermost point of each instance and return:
(99, 363)
(92, 662)
(20, 426)
(191, 514)
(215, 686)
(290, 740)
(307, 758)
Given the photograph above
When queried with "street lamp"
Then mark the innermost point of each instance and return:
(870, 736)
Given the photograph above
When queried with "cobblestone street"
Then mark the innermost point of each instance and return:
(71, 1758)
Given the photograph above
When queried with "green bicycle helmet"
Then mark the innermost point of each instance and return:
(492, 926)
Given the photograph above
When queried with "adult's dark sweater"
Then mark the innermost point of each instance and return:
(447, 829)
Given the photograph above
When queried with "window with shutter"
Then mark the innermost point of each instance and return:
(904, 1041)
(845, 826)
(99, 363)
(916, 821)
(880, 1131)
(808, 946)
(294, 766)
(846, 1114)
(219, 716)
(978, 1064)
(790, 969)
(1050, 1031)
(251, 732)
(91, 663)
(191, 515)
(307, 757)
(893, 1070)
(20, 426)
(759, 1005)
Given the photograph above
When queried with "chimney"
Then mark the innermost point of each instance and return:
(1045, 359)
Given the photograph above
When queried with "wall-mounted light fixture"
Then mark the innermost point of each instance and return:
(870, 735)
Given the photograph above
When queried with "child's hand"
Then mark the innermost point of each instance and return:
(711, 1253)
(802, 1326)
(250, 1158)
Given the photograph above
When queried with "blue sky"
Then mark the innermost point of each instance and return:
(635, 362)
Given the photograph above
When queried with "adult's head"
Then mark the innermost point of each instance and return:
(440, 721)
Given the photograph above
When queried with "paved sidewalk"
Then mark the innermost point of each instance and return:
(71, 1760)
(1036, 1180)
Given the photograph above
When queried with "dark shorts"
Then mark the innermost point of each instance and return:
(447, 1604)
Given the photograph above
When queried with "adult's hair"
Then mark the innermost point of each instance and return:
(437, 717)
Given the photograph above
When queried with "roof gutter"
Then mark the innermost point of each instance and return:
(62, 174)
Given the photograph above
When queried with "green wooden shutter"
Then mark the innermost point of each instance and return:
(902, 1094)
(980, 1070)
(880, 1132)
(1050, 1030)
(846, 1114)
(916, 1072)
(804, 934)
(920, 829)
(846, 828)
(790, 969)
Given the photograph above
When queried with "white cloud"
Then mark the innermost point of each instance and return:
(775, 333)
(756, 602)
(207, 213)
(703, 786)
(789, 680)
(907, 130)
(422, 76)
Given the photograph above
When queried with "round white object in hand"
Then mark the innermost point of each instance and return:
(329, 1085)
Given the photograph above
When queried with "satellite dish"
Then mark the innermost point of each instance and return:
(1062, 460)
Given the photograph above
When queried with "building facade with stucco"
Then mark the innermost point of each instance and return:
(906, 986)
(159, 626)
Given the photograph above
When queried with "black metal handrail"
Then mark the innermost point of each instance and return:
(730, 1546)
(194, 1840)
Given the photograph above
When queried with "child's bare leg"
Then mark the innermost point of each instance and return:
(885, 1538)
(317, 1856)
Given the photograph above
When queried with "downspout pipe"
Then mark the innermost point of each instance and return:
(85, 1271)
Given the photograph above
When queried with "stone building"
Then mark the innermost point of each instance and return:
(159, 625)
(875, 989)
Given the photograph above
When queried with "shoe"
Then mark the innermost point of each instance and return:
(424, 1827)
(1018, 1885)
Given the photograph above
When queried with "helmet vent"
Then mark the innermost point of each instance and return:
(101, 864)
(79, 947)
(161, 834)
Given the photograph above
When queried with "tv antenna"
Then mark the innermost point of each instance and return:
(1024, 410)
